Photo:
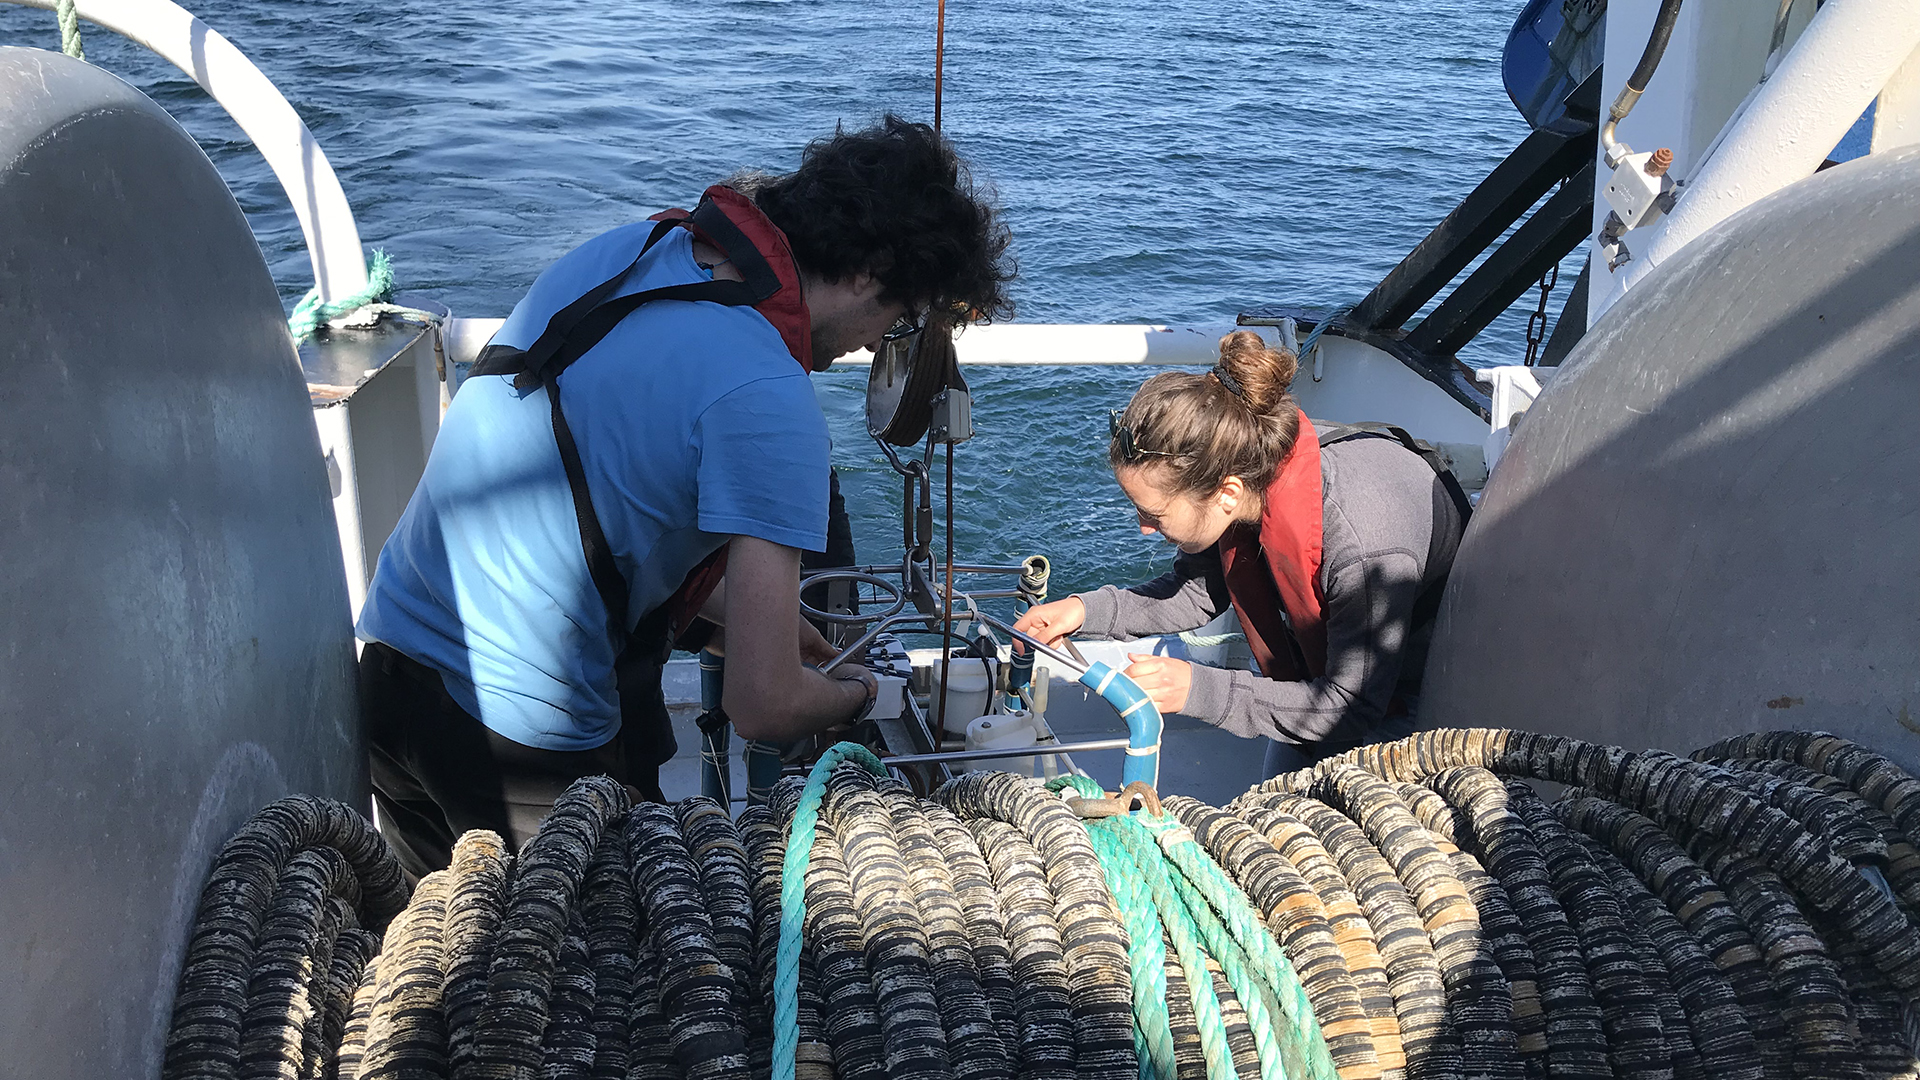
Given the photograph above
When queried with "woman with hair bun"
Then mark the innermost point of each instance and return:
(1333, 545)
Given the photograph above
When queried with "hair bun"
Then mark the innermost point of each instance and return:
(1261, 371)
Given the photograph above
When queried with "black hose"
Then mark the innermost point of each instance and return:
(1650, 56)
(1575, 1029)
(1666, 918)
(475, 903)
(612, 925)
(1094, 941)
(898, 954)
(407, 1030)
(974, 890)
(1479, 1001)
(1432, 1043)
(280, 1000)
(974, 1040)
(852, 1013)
(720, 857)
(1635, 1038)
(1506, 937)
(567, 1048)
(1644, 916)
(353, 949)
(1042, 995)
(696, 989)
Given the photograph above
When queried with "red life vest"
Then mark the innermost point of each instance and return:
(1276, 568)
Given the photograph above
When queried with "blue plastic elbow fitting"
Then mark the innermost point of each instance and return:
(1143, 721)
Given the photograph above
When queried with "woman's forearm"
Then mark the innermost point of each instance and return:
(1189, 595)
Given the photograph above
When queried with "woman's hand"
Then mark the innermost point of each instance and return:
(1166, 680)
(1051, 622)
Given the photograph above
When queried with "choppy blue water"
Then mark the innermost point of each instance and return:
(1158, 160)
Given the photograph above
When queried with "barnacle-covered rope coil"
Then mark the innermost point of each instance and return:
(1407, 911)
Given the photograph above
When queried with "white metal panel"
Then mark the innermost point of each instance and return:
(1896, 122)
(1848, 53)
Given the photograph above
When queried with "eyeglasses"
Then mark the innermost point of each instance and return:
(1122, 435)
(905, 328)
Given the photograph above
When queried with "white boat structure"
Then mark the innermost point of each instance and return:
(1698, 513)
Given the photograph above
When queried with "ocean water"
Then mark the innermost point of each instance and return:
(1158, 161)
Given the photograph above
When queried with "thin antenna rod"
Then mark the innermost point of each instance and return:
(939, 59)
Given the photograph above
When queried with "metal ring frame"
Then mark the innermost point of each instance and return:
(898, 595)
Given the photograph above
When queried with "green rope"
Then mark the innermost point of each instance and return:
(309, 313)
(1203, 910)
(793, 902)
(1179, 927)
(1305, 1048)
(69, 17)
(1197, 935)
(1146, 947)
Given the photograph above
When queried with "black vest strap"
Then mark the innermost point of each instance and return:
(580, 326)
(1426, 606)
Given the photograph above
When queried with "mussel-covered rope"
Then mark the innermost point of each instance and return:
(1411, 910)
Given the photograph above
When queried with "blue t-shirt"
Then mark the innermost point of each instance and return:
(694, 424)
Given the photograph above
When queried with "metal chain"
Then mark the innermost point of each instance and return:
(1537, 322)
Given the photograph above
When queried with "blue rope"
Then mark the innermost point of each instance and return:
(309, 313)
(1313, 336)
(793, 902)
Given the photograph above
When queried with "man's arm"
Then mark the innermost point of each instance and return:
(769, 693)
(814, 647)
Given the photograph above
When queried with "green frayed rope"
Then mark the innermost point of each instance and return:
(1206, 915)
(1146, 946)
(309, 313)
(69, 17)
(793, 902)
(1304, 1048)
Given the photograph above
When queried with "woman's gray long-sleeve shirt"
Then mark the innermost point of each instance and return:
(1380, 550)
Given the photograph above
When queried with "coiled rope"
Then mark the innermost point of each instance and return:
(1413, 910)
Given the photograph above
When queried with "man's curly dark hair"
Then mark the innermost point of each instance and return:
(896, 201)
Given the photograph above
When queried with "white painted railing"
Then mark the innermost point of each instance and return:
(172, 32)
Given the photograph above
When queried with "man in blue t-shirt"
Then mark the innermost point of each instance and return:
(514, 639)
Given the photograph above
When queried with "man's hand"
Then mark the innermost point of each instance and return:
(1051, 622)
(814, 647)
(854, 673)
(1166, 680)
(770, 693)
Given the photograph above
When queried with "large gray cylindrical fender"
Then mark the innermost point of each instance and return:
(175, 649)
(1709, 523)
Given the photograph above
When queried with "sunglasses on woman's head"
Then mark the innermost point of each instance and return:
(1122, 436)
